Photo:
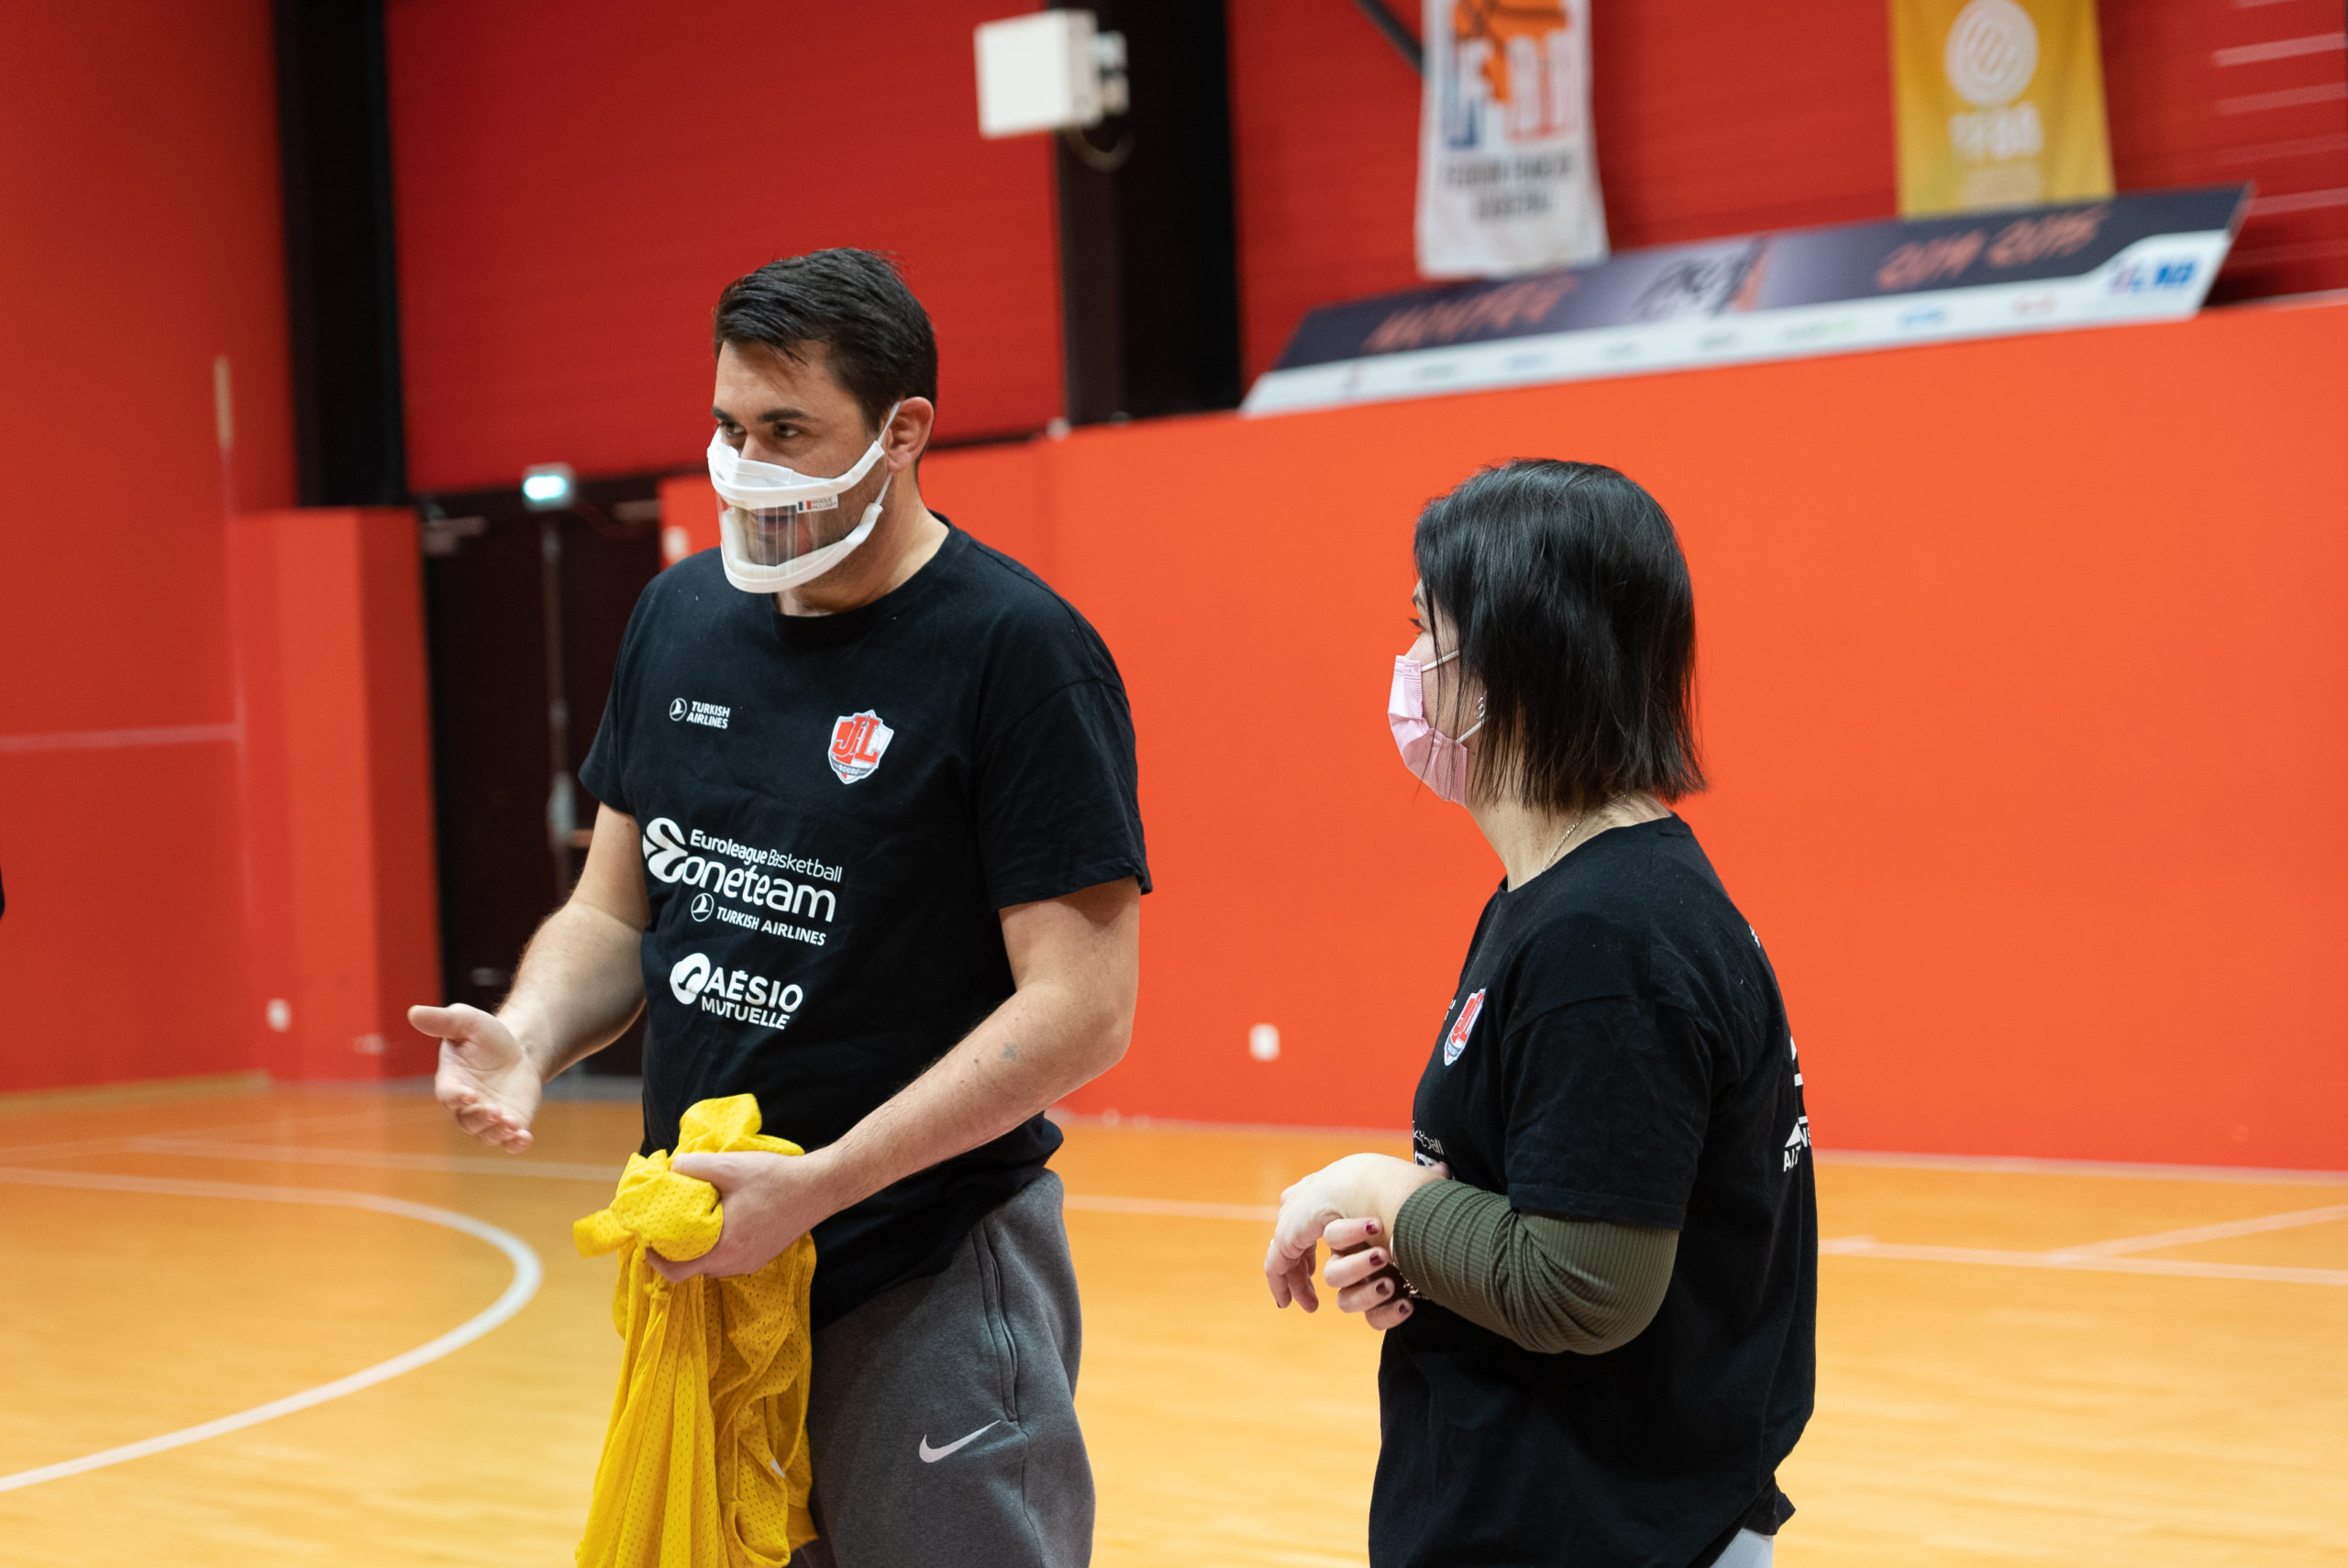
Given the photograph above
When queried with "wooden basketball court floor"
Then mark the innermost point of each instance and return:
(256, 1326)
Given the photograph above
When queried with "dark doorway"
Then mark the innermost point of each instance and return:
(487, 573)
(1149, 271)
(341, 265)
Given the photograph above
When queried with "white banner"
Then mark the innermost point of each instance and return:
(1508, 182)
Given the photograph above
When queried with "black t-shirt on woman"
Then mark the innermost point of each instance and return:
(1616, 1050)
(833, 810)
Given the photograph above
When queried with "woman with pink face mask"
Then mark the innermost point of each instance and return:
(1597, 1278)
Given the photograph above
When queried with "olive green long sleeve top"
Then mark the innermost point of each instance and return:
(1548, 1282)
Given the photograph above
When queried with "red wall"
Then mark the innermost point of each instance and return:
(2202, 93)
(575, 183)
(1715, 118)
(214, 782)
(577, 180)
(136, 246)
(2023, 689)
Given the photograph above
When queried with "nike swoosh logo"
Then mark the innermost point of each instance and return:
(932, 1455)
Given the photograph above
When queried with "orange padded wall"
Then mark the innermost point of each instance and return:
(338, 806)
(2023, 690)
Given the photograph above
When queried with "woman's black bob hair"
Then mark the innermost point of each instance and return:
(1563, 588)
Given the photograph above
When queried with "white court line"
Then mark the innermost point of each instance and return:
(2217, 1233)
(110, 1145)
(559, 1170)
(1868, 1247)
(527, 1272)
(2255, 1176)
(376, 1159)
(2026, 1165)
(2085, 1255)
(114, 1144)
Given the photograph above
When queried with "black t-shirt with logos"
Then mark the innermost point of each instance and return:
(833, 810)
(1616, 1050)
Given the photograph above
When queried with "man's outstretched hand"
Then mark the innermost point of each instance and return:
(487, 1079)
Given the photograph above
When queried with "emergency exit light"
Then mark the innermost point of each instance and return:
(547, 487)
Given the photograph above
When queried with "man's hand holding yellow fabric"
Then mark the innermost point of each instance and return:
(1075, 962)
(768, 1201)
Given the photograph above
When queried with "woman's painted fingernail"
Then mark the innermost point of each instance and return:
(1406, 1309)
(1371, 1229)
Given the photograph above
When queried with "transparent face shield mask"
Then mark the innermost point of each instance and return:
(778, 527)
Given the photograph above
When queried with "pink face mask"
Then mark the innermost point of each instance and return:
(1440, 761)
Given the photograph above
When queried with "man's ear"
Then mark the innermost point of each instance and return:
(904, 446)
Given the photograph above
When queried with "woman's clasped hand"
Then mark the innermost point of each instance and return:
(1350, 1205)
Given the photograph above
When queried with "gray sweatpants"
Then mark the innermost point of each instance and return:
(942, 1416)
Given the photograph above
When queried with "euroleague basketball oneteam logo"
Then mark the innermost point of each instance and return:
(1456, 1041)
(857, 741)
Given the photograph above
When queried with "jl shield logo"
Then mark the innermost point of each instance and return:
(857, 741)
(1456, 1041)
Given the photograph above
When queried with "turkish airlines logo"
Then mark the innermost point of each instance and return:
(1456, 1041)
(857, 741)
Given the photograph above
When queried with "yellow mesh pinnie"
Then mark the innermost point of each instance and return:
(705, 1461)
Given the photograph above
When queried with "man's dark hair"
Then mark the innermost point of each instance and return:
(1565, 589)
(855, 304)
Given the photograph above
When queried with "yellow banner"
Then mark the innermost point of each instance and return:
(1999, 104)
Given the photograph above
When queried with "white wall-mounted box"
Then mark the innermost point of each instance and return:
(1038, 72)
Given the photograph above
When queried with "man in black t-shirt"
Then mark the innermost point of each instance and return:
(868, 849)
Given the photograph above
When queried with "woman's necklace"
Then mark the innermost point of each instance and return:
(1569, 833)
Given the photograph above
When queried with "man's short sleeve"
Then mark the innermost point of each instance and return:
(1058, 807)
(600, 775)
(605, 773)
(1609, 1098)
